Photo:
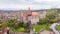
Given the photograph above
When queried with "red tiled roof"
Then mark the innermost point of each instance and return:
(35, 14)
(25, 15)
(42, 15)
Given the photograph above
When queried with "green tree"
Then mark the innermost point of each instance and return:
(52, 16)
(16, 25)
(26, 27)
(42, 21)
(11, 23)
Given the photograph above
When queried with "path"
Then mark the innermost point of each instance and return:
(53, 27)
(44, 32)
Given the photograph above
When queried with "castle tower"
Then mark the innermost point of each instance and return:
(21, 16)
(29, 12)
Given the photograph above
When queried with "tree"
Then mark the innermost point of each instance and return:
(26, 27)
(16, 25)
(0, 26)
(42, 21)
(51, 16)
(3, 25)
(12, 22)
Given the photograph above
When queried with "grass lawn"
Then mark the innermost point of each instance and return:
(58, 28)
(20, 29)
(39, 27)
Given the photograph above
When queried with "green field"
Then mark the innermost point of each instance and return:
(39, 27)
(58, 28)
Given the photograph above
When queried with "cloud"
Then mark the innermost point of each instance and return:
(33, 4)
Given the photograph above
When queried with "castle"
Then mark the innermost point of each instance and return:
(32, 16)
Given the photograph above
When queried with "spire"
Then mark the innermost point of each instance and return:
(29, 9)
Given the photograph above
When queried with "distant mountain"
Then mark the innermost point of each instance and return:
(27, 10)
(9, 11)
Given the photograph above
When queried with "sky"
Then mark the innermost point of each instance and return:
(25, 4)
